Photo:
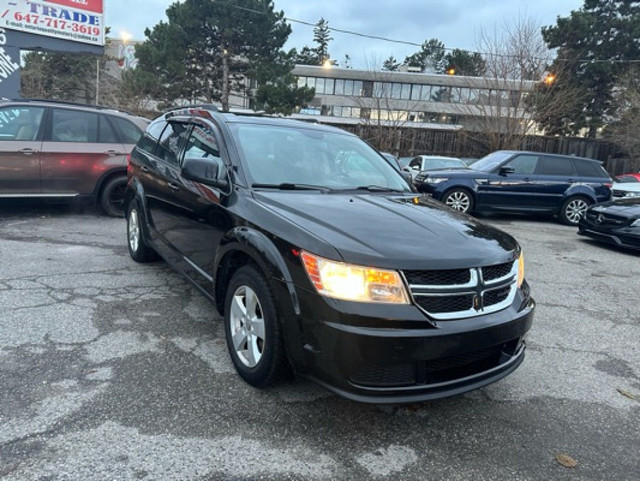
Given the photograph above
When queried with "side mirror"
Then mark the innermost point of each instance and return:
(203, 171)
(507, 170)
(407, 176)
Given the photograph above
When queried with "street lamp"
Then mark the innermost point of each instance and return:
(549, 79)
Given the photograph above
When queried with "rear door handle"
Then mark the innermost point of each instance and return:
(174, 187)
(111, 152)
(28, 151)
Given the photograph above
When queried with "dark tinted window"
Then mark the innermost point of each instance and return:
(416, 163)
(20, 123)
(590, 169)
(523, 164)
(129, 132)
(556, 166)
(106, 135)
(151, 136)
(171, 141)
(74, 126)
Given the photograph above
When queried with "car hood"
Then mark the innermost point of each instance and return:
(395, 231)
(624, 207)
(626, 186)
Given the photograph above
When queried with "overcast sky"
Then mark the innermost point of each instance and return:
(455, 22)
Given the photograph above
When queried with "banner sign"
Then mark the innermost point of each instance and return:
(75, 20)
(9, 68)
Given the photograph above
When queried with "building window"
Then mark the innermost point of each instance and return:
(328, 86)
(405, 93)
(416, 91)
(339, 87)
(426, 92)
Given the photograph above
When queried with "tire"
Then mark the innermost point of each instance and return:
(572, 209)
(252, 329)
(459, 199)
(112, 196)
(138, 249)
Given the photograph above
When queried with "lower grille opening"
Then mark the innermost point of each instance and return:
(438, 304)
(437, 370)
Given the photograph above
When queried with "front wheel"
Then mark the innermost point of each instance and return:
(572, 209)
(459, 199)
(252, 329)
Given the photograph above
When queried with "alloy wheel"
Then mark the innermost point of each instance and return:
(134, 230)
(458, 200)
(247, 326)
(575, 209)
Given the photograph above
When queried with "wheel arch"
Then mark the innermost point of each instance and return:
(135, 192)
(106, 177)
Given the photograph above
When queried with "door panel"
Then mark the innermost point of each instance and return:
(555, 176)
(513, 191)
(20, 147)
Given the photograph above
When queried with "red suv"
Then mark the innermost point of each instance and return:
(57, 150)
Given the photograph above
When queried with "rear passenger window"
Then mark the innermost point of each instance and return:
(556, 166)
(523, 164)
(129, 132)
(150, 138)
(74, 126)
(106, 135)
(590, 169)
(171, 141)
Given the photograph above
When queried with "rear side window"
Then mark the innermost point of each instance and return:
(20, 123)
(129, 132)
(556, 166)
(106, 134)
(74, 126)
(150, 138)
(523, 164)
(171, 141)
(590, 169)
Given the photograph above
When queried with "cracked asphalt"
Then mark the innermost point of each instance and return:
(115, 370)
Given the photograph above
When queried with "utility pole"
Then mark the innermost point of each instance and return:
(97, 80)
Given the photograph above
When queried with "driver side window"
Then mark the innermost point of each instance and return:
(202, 144)
(416, 164)
(523, 164)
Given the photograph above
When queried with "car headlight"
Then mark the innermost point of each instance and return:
(354, 283)
(435, 180)
(520, 269)
(635, 223)
(632, 194)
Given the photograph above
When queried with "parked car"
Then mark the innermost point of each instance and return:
(624, 189)
(56, 150)
(616, 222)
(512, 181)
(426, 163)
(404, 161)
(628, 178)
(392, 159)
(321, 258)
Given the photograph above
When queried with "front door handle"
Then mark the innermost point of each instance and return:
(173, 186)
(111, 152)
(144, 168)
(28, 151)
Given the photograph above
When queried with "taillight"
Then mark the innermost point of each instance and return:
(608, 184)
(129, 169)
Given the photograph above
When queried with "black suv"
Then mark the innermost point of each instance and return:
(513, 181)
(321, 258)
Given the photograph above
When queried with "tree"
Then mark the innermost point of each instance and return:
(208, 47)
(391, 64)
(463, 62)
(322, 37)
(430, 57)
(278, 92)
(624, 130)
(594, 46)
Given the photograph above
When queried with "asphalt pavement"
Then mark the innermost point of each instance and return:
(112, 370)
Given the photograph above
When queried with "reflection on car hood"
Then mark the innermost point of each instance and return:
(465, 173)
(623, 207)
(392, 230)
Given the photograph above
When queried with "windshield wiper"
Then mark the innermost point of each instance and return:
(290, 186)
(378, 188)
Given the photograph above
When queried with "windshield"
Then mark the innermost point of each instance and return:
(491, 161)
(276, 155)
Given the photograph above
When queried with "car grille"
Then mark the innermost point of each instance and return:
(600, 218)
(435, 371)
(463, 293)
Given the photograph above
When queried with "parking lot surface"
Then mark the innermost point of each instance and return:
(115, 370)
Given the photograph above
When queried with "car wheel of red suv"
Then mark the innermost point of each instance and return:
(112, 196)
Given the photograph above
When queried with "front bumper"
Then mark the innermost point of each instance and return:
(626, 236)
(380, 359)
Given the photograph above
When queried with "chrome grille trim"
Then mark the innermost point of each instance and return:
(476, 287)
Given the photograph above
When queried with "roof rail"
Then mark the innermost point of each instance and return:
(74, 104)
(202, 110)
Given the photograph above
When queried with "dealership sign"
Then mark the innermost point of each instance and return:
(75, 20)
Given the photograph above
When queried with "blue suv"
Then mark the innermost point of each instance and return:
(515, 181)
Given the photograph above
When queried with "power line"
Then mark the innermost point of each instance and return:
(450, 49)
